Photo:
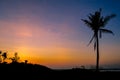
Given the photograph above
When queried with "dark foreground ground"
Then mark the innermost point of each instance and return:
(21, 71)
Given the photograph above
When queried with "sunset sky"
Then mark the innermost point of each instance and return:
(51, 33)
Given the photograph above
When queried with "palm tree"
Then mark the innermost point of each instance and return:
(96, 22)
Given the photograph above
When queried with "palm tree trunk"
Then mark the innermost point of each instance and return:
(97, 55)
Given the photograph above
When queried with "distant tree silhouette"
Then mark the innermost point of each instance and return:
(4, 55)
(0, 56)
(26, 61)
(15, 58)
(96, 22)
(82, 67)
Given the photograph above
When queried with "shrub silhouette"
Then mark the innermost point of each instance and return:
(4, 55)
(0, 56)
(15, 58)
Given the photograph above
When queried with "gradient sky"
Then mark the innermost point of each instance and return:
(51, 33)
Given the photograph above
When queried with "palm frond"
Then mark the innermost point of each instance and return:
(88, 23)
(91, 39)
(101, 21)
(90, 16)
(106, 31)
(107, 18)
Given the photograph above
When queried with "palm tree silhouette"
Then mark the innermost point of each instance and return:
(96, 22)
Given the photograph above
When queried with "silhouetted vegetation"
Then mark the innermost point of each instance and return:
(15, 58)
(24, 70)
(3, 57)
(96, 22)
